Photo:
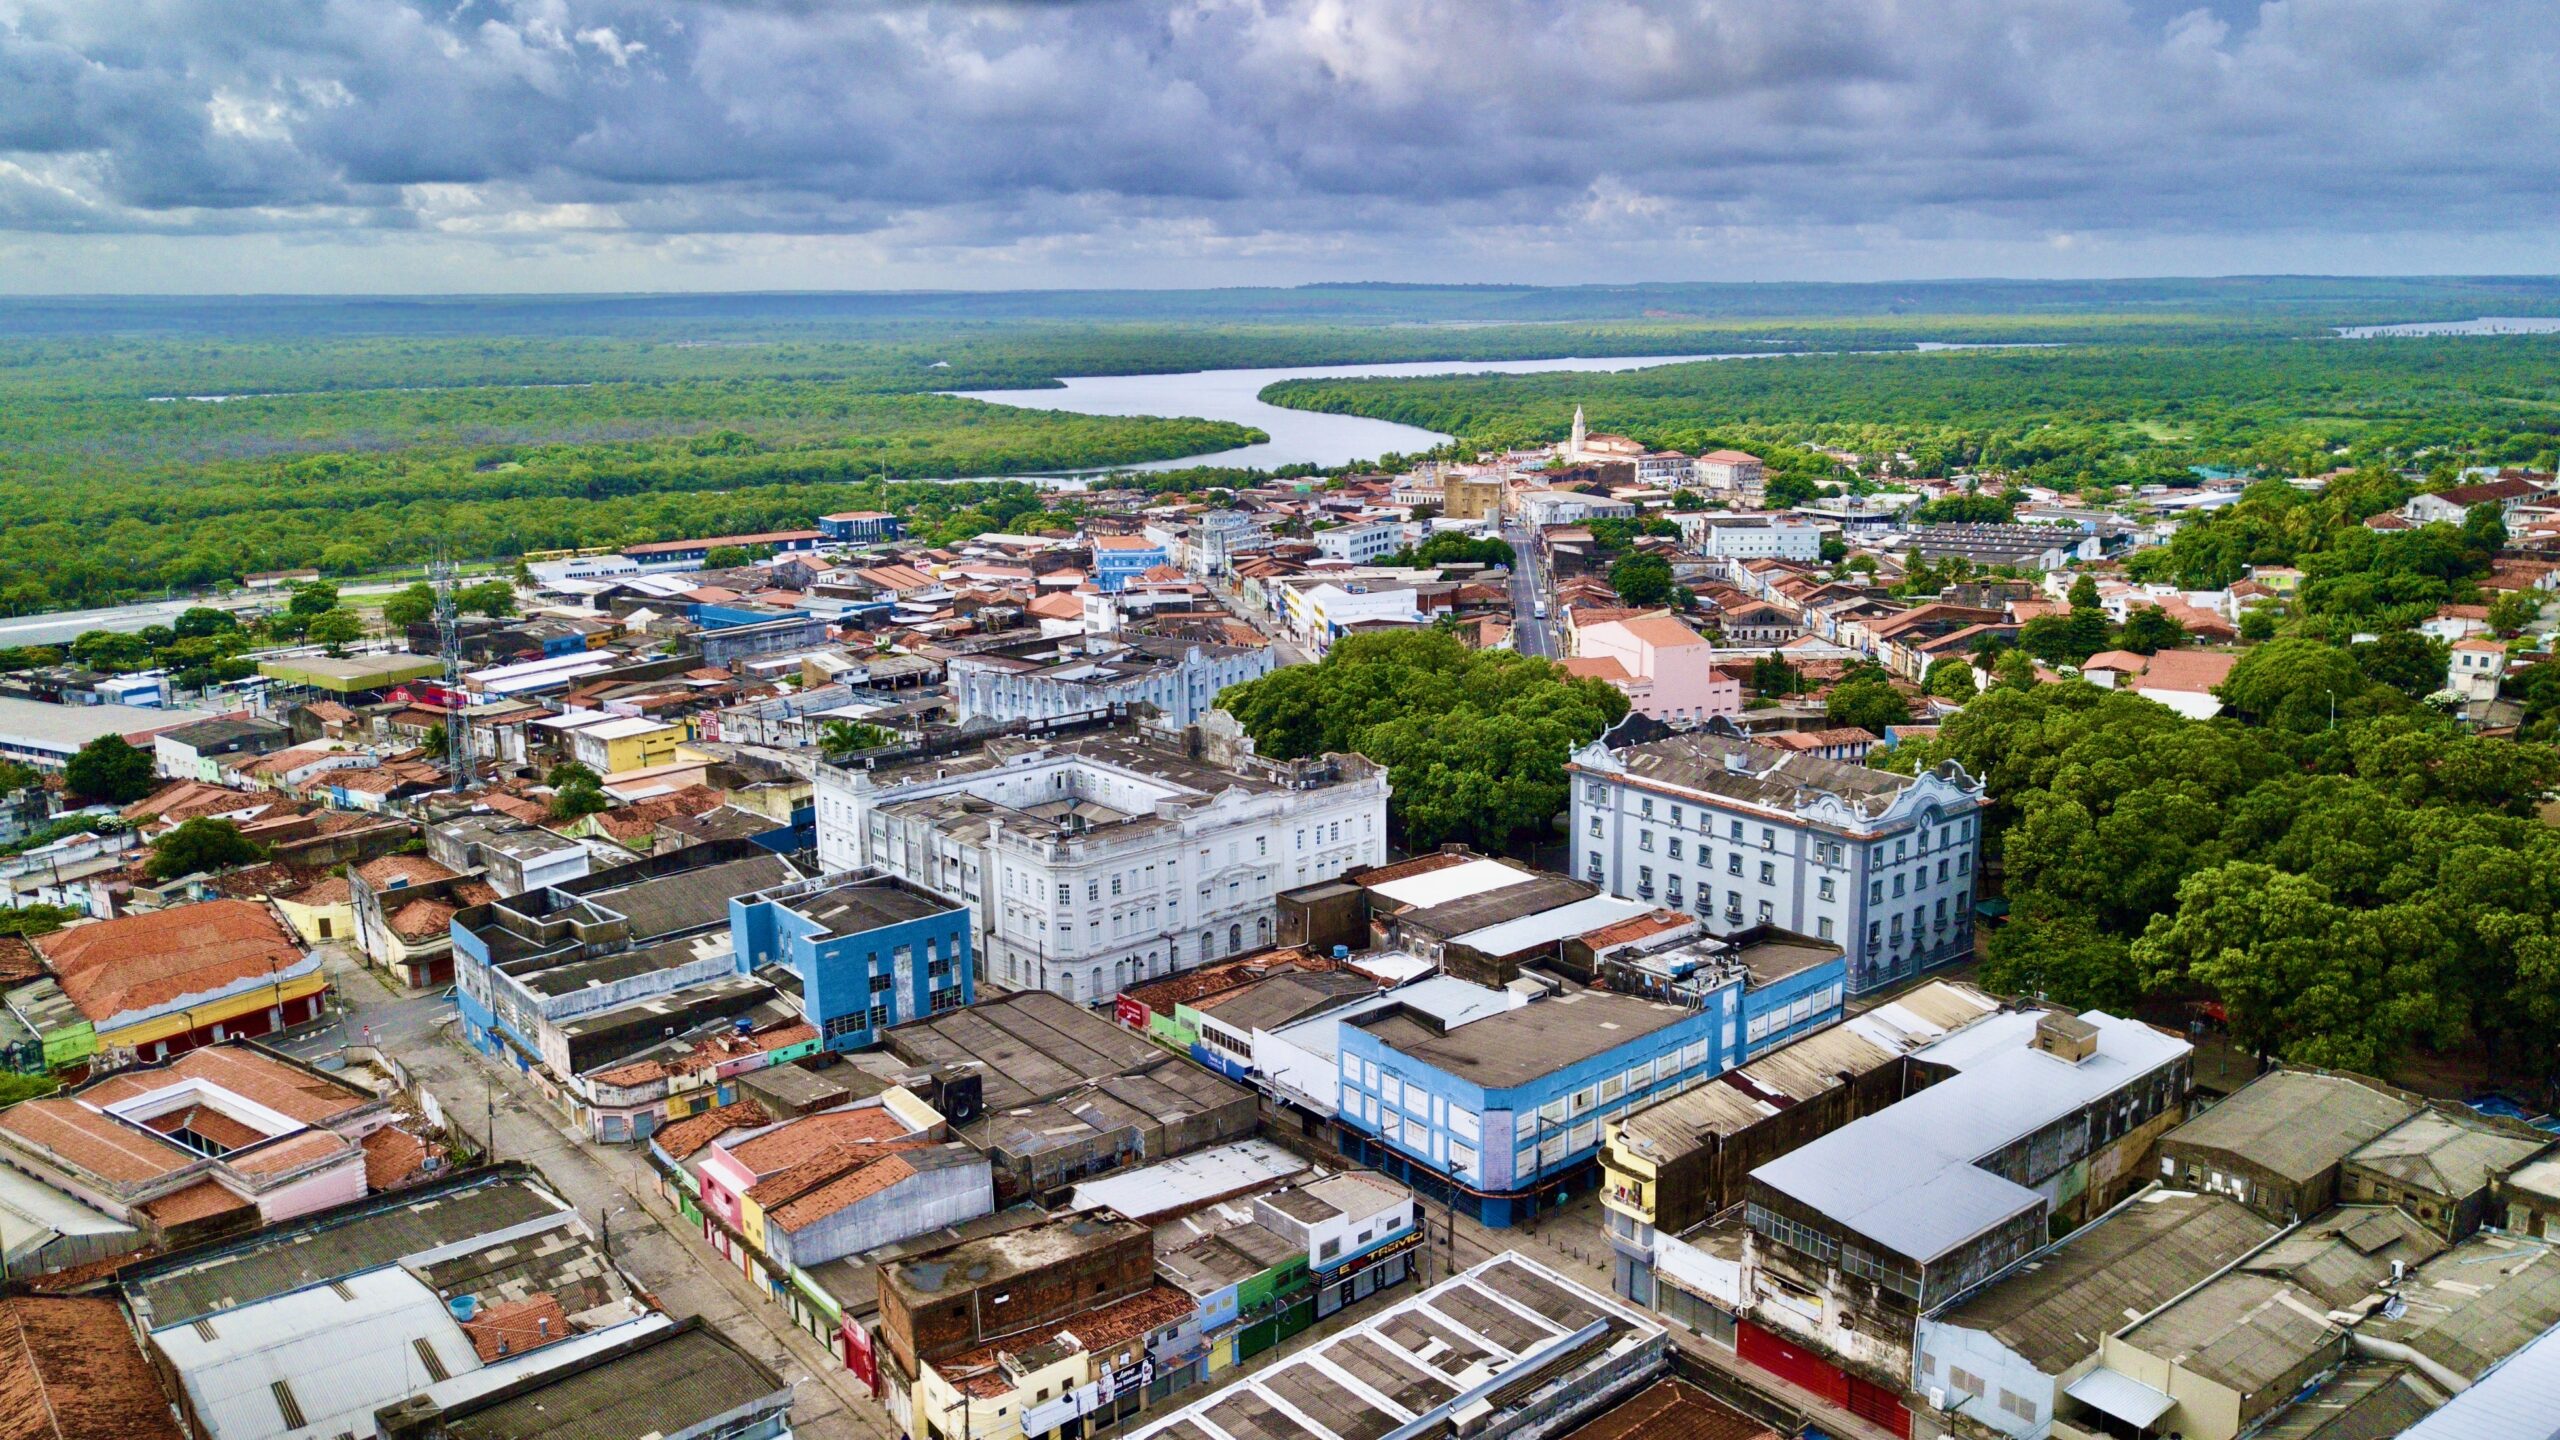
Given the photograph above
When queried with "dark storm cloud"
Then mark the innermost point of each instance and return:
(1402, 124)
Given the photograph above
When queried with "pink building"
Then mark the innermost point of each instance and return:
(1666, 669)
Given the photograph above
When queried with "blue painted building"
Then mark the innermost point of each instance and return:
(1119, 559)
(857, 526)
(869, 951)
(1502, 1115)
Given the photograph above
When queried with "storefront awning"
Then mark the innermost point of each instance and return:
(2120, 1395)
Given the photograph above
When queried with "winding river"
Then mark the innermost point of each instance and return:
(1298, 437)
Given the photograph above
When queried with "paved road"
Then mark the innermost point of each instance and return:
(60, 627)
(610, 1186)
(1530, 635)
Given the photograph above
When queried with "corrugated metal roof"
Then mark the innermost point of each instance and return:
(1906, 1176)
(2515, 1401)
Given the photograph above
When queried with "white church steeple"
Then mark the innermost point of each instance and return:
(1573, 450)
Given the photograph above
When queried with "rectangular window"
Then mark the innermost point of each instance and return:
(1822, 928)
(1644, 840)
(1674, 847)
(1595, 827)
(1826, 889)
(1733, 863)
(1768, 873)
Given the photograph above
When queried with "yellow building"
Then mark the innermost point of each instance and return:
(630, 743)
(167, 981)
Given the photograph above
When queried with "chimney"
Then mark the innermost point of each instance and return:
(2065, 1037)
(415, 1418)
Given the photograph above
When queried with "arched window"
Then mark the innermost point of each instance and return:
(1235, 938)
(1262, 931)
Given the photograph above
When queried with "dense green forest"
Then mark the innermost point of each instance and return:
(2082, 415)
(155, 446)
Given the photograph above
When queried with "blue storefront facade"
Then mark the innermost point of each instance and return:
(1502, 1151)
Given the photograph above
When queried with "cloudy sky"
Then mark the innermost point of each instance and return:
(397, 145)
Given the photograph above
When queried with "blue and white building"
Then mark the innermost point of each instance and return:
(853, 527)
(869, 951)
(1743, 835)
(1502, 1115)
(1119, 559)
(1361, 542)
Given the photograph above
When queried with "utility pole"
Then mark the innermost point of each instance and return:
(457, 745)
(491, 1091)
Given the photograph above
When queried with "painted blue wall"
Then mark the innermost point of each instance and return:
(1114, 569)
(1791, 1008)
(920, 958)
(1702, 1043)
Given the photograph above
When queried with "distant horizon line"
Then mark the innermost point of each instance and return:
(10, 298)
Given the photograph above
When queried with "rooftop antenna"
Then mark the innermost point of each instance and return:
(457, 744)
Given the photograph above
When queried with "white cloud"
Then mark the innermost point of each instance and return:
(1170, 141)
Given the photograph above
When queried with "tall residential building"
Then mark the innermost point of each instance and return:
(1097, 854)
(1743, 834)
(1181, 678)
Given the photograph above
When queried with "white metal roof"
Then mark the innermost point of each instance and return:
(342, 1351)
(2122, 1396)
(65, 728)
(1581, 917)
(1906, 1176)
(625, 728)
(1189, 1181)
(1451, 882)
(32, 1212)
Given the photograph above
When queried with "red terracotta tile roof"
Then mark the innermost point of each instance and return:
(18, 962)
(70, 1370)
(390, 872)
(517, 1326)
(286, 1088)
(424, 919)
(814, 1135)
(1103, 1328)
(685, 1137)
(212, 1124)
(393, 1157)
(1673, 1410)
(1595, 667)
(1634, 928)
(822, 1195)
(142, 960)
(201, 1201)
(119, 1153)
(187, 799)
(276, 1157)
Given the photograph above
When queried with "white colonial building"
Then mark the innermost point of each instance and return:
(1750, 537)
(1181, 678)
(1882, 865)
(1095, 855)
(1361, 541)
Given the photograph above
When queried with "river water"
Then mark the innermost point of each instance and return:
(1298, 437)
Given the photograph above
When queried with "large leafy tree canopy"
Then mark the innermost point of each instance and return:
(1474, 741)
(2344, 893)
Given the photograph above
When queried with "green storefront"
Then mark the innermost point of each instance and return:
(69, 1040)
(1273, 1306)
